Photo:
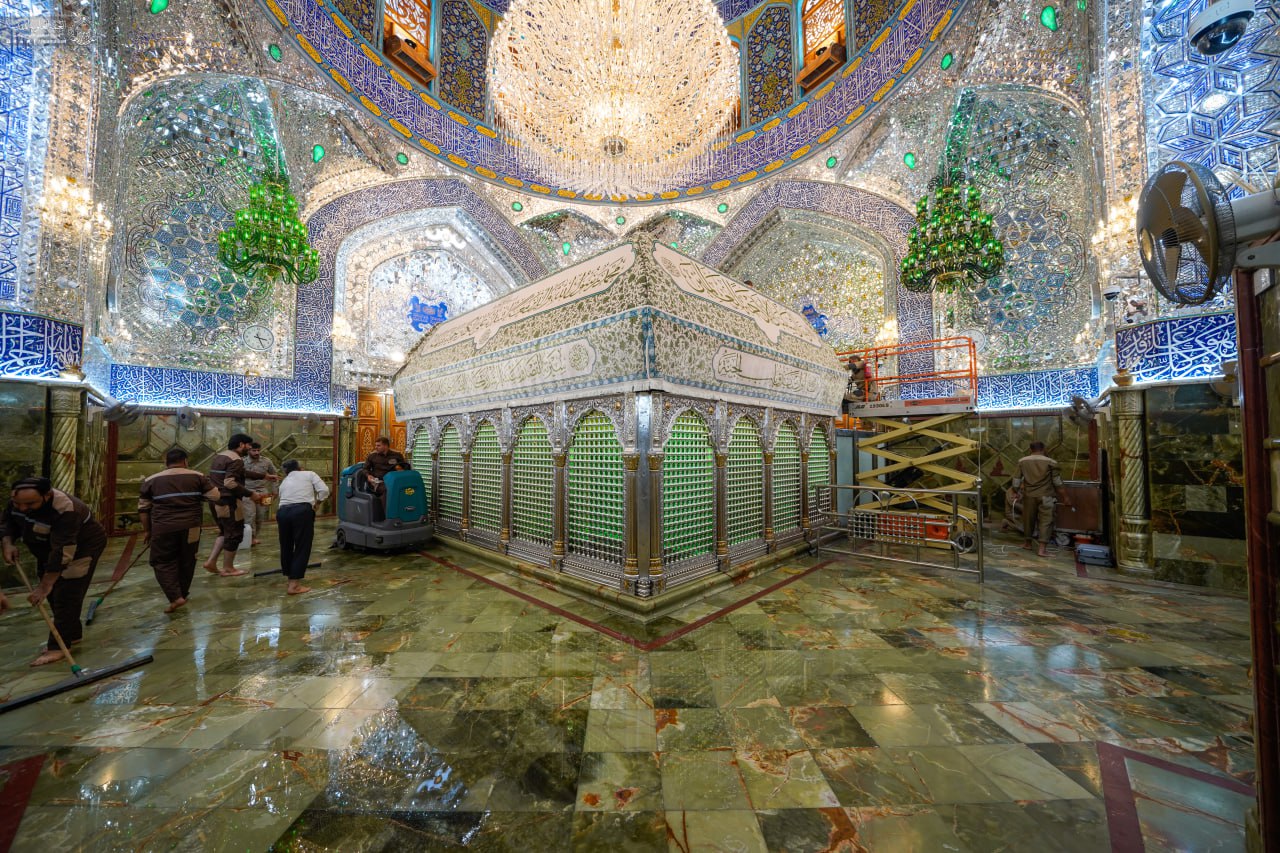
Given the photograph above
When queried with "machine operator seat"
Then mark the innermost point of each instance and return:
(362, 485)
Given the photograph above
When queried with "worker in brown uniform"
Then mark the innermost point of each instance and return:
(382, 461)
(227, 473)
(62, 534)
(171, 506)
(1037, 481)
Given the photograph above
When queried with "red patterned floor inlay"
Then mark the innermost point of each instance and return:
(1117, 791)
(17, 781)
(642, 645)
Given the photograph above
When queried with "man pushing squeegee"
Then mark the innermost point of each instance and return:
(60, 532)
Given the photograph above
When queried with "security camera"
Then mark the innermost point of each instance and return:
(1110, 291)
(1217, 29)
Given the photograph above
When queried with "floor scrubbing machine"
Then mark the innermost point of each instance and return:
(362, 522)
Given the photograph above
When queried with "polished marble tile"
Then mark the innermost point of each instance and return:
(864, 707)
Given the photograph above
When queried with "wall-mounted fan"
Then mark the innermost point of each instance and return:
(116, 412)
(188, 418)
(1081, 412)
(1189, 232)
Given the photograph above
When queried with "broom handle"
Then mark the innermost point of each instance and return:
(45, 613)
(131, 565)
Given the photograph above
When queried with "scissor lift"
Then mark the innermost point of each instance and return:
(910, 394)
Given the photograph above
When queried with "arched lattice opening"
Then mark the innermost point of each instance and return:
(532, 485)
(596, 514)
(450, 475)
(420, 456)
(819, 473)
(688, 491)
(486, 480)
(744, 483)
(786, 480)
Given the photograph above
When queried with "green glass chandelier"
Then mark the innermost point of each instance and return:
(268, 241)
(953, 240)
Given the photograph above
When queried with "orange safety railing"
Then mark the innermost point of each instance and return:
(953, 378)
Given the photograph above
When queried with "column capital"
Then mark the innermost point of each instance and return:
(65, 402)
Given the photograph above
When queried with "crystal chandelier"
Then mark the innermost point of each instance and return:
(267, 240)
(613, 97)
(953, 240)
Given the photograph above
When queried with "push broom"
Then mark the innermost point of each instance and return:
(93, 605)
(79, 675)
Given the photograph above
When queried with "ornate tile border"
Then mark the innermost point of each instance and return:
(411, 112)
(1040, 389)
(1177, 348)
(36, 347)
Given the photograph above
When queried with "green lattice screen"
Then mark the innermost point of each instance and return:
(486, 480)
(819, 473)
(421, 459)
(450, 475)
(786, 480)
(596, 512)
(532, 484)
(688, 491)
(744, 483)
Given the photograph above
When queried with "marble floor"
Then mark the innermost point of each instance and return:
(431, 703)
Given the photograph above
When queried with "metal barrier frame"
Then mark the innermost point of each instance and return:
(886, 501)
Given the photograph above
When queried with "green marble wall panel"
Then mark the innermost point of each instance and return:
(141, 446)
(1196, 482)
(23, 446)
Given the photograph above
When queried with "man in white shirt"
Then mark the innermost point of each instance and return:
(301, 493)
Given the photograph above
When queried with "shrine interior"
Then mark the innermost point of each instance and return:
(830, 425)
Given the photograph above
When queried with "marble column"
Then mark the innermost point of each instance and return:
(346, 443)
(66, 411)
(630, 510)
(505, 536)
(768, 500)
(1133, 544)
(559, 509)
(722, 511)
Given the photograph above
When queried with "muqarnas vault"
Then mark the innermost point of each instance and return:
(637, 420)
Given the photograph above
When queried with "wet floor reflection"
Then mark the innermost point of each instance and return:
(405, 705)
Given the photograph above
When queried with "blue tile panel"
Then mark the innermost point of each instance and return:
(35, 347)
(1038, 389)
(22, 129)
(1177, 348)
